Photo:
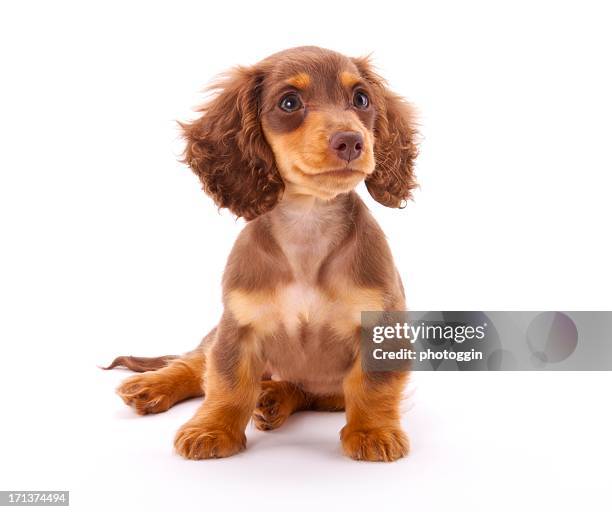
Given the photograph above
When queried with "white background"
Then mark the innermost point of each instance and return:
(109, 246)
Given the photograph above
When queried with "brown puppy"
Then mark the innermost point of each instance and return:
(283, 144)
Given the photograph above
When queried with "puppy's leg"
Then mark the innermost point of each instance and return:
(232, 382)
(280, 399)
(157, 391)
(373, 430)
(332, 403)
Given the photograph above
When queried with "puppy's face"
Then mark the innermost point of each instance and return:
(318, 117)
(308, 120)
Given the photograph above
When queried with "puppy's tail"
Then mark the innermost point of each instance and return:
(140, 364)
(145, 364)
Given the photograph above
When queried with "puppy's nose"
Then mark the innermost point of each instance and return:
(347, 145)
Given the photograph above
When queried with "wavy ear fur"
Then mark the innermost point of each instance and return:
(395, 147)
(227, 150)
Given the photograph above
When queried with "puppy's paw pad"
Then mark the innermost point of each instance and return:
(147, 393)
(196, 442)
(272, 408)
(377, 444)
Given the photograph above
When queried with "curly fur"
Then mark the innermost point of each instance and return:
(396, 148)
(227, 150)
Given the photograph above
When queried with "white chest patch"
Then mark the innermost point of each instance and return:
(296, 304)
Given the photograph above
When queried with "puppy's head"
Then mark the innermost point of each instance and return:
(305, 119)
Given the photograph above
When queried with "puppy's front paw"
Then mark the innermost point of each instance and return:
(384, 444)
(147, 393)
(197, 442)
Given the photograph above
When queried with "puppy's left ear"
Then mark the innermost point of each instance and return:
(395, 146)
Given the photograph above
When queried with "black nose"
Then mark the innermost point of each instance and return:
(347, 145)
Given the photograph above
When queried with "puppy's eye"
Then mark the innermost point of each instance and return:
(361, 100)
(290, 103)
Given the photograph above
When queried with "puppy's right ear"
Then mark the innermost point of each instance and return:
(395, 146)
(227, 150)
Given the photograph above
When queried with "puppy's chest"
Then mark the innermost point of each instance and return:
(302, 321)
(311, 337)
(302, 306)
(291, 309)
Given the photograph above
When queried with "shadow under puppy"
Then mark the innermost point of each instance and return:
(283, 144)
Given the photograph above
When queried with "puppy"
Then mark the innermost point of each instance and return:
(283, 144)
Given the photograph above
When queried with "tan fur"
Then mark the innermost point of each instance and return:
(372, 431)
(278, 400)
(157, 391)
(301, 80)
(293, 305)
(302, 155)
(349, 79)
(310, 260)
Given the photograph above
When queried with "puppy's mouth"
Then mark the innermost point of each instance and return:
(344, 173)
(330, 178)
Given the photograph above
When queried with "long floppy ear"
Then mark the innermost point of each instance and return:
(227, 150)
(395, 145)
